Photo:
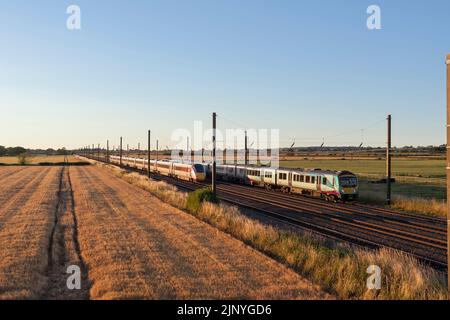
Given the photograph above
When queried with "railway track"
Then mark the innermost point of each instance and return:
(362, 225)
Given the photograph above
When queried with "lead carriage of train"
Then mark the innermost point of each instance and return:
(328, 184)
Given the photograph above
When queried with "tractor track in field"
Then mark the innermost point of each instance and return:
(63, 247)
(363, 225)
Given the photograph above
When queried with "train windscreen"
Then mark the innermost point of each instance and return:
(198, 168)
(348, 181)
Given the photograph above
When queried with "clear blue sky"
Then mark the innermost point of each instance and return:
(310, 68)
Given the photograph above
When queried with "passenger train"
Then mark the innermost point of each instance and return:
(184, 171)
(327, 184)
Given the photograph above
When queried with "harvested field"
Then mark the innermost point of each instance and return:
(127, 243)
(136, 246)
(36, 159)
(28, 197)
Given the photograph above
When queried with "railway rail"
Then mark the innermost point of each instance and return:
(362, 225)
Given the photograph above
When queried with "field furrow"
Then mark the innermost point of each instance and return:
(13, 180)
(9, 171)
(17, 194)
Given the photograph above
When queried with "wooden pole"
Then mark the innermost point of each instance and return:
(98, 152)
(213, 176)
(107, 151)
(148, 153)
(388, 161)
(447, 62)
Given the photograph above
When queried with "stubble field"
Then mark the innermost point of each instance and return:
(127, 243)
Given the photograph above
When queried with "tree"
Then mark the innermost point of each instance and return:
(15, 151)
(23, 159)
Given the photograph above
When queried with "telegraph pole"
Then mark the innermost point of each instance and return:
(98, 152)
(388, 160)
(447, 62)
(148, 153)
(120, 152)
(246, 150)
(213, 176)
(107, 151)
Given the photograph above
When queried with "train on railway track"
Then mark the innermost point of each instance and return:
(184, 171)
(327, 184)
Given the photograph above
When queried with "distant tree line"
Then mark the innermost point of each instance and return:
(11, 151)
(15, 151)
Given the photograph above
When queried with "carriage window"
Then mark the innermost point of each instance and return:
(302, 178)
(282, 176)
(307, 179)
(313, 179)
(324, 180)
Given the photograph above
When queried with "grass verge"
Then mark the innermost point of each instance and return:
(428, 207)
(339, 269)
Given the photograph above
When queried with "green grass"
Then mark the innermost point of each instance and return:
(400, 167)
(196, 198)
(406, 189)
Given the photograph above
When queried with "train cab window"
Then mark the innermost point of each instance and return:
(268, 175)
(308, 178)
(313, 179)
(282, 176)
(199, 168)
